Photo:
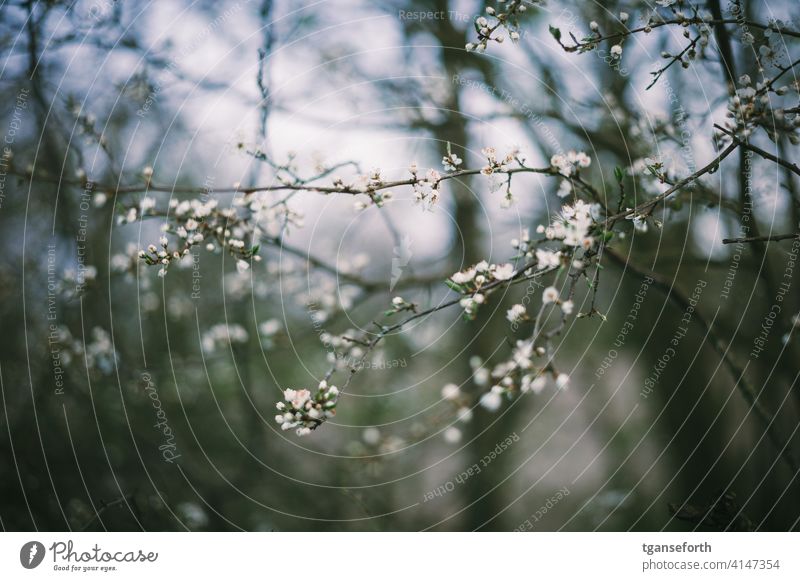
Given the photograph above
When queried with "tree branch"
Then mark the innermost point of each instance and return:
(773, 238)
(755, 149)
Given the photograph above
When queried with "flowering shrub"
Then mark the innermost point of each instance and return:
(587, 228)
(569, 248)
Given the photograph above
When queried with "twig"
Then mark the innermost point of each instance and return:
(653, 25)
(755, 149)
(773, 238)
(106, 505)
(685, 181)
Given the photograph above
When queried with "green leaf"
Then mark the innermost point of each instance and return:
(619, 174)
(254, 250)
(556, 32)
(454, 286)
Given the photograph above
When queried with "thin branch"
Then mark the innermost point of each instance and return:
(712, 165)
(772, 238)
(303, 186)
(653, 25)
(105, 506)
(519, 276)
(755, 149)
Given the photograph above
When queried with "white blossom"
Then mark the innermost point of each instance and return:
(516, 313)
(464, 276)
(452, 435)
(503, 271)
(451, 392)
(532, 383)
(146, 204)
(547, 258)
(550, 295)
(451, 162)
(371, 436)
(304, 411)
(491, 401)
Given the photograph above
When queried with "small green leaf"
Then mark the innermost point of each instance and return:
(556, 32)
(454, 286)
(619, 174)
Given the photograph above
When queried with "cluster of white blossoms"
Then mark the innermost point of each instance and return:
(481, 274)
(327, 298)
(98, 354)
(546, 258)
(74, 281)
(518, 374)
(550, 295)
(370, 185)
(376, 440)
(523, 244)
(302, 411)
(504, 16)
(569, 164)
(596, 36)
(754, 105)
(236, 229)
(267, 331)
(499, 165)
(162, 255)
(471, 280)
(348, 350)
(451, 393)
(451, 162)
(125, 261)
(426, 189)
(573, 226)
(222, 335)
